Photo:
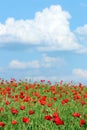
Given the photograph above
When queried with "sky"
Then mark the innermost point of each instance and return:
(43, 40)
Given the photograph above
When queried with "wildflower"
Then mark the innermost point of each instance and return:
(7, 102)
(82, 122)
(55, 114)
(76, 114)
(31, 112)
(8, 89)
(26, 87)
(58, 121)
(2, 124)
(50, 105)
(85, 96)
(77, 97)
(42, 102)
(65, 101)
(14, 111)
(55, 98)
(27, 99)
(48, 117)
(14, 122)
(22, 107)
(22, 95)
(83, 103)
(1, 109)
(25, 120)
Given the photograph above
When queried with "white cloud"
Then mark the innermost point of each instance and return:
(81, 34)
(49, 61)
(46, 62)
(80, 73)
(50, 29)
(82, 30)
(15, 64)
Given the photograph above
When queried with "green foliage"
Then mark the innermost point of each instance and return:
(34, 101)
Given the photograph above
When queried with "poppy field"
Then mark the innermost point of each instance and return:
(42, 106)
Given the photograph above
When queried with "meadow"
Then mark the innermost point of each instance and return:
(42, 106)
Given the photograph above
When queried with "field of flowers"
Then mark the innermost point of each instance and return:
(42, 106)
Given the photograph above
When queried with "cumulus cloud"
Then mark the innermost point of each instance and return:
(15, 64)
(50, 29)
(82, 30)
(49, 61)
(81, 34)
(46, 62)
(80, 73)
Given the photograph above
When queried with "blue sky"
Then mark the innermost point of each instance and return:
(43, 40)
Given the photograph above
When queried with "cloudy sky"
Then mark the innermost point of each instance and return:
(43, 39)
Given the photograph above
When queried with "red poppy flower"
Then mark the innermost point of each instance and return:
(55, 98)
(14, 122)
(77, 97)
(21, 96)
(7, 102)
(31, 112)
(50, 105)
(43, 98)
(14, 111)
(65, 101)
(27, 99)
(8, 89)
(58, 121)
(1, 109)
(25, 120)
(85, 96)
(2, 124)
(22, 107)
(76, 114)
(55, 114)
(82, 122)
(26, 87)
(48, 117)
(42, 102)
(83, 103)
